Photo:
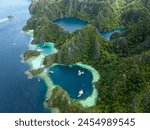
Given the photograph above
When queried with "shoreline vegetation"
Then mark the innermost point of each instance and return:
(123, 62)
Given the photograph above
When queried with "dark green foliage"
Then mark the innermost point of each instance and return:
(36, 71)
(83, 45)
(30, 53)
(138, 35)
(122, 82)
(49, 60)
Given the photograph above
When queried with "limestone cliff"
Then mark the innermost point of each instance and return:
(82, 45)
(104, 14)
(94, 11)
(45, 30)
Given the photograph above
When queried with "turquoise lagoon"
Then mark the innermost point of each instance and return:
(107, 35)
(71, 24)
(69, 79)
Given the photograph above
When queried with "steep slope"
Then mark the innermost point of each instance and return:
(104, 14)
(45, 30)
(101, 13)
(82, 45)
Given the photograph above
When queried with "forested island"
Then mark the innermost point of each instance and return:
(123, 62)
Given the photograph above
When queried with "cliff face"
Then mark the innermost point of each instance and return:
(94, 11)
(82, 45)
(45, 30)
(104, 14)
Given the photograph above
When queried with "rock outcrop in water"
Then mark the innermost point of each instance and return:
(36, 72)
(30, 53)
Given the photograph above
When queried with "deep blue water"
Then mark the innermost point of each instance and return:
(71, 24)
(67, 77)
(17, 93)
(107, 35)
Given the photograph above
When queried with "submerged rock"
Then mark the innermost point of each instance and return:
(10, 17)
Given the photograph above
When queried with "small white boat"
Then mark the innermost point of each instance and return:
(52, 72)
(40, 50)
(80, 72)
(46, 99)
(80, 93)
